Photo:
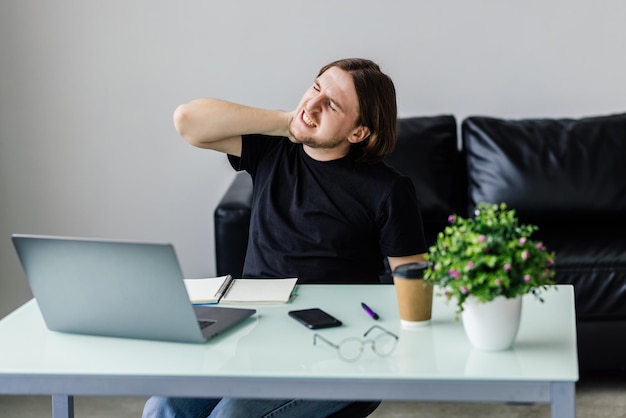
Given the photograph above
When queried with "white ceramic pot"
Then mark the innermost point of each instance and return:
(493, 325)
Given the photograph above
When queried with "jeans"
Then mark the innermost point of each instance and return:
(160, 407)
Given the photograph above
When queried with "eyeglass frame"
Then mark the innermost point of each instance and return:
(363, 341)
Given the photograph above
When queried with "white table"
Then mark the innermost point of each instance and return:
(272, 356)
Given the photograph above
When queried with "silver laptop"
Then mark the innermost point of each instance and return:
(117, 289)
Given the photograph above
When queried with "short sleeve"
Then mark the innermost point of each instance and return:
(253, 149)
(402, 233)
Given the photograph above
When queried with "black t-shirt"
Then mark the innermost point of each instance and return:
(325, 222)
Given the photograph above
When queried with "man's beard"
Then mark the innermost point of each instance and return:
(328, 144)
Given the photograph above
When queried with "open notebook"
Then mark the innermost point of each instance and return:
(226, 289)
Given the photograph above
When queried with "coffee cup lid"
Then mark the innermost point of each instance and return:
(411, 270)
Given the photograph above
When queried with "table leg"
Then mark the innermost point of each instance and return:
(62, 406)
(563, 397)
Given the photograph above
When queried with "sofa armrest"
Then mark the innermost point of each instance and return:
(232, 222)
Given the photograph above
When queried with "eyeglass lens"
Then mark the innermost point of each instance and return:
(352, 348)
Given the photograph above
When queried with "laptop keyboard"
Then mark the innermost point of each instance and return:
(205, 324)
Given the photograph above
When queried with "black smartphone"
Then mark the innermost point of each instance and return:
(315, 318)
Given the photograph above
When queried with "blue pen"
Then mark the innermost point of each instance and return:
(369, 311)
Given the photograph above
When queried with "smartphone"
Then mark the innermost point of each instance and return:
(315, 318)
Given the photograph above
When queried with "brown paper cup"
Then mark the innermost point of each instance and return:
(415, 301)
(415, 298)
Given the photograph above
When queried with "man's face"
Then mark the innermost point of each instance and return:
(326, 116)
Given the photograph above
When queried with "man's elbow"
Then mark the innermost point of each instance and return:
(182, 121)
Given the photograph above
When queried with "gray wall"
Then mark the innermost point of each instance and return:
(87, 90)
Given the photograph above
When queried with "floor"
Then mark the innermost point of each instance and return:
(597, 396)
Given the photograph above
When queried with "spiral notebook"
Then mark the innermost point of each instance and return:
(228, 290)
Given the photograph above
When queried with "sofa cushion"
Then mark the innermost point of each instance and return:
(549, 168)
(568, 177)
(427, 152)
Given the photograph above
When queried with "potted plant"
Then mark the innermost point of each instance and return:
(489, 259)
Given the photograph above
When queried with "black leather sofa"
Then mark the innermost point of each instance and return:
(567, 176)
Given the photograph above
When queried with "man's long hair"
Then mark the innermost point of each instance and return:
(377, 106)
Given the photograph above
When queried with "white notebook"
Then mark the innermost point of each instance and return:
(225, 290)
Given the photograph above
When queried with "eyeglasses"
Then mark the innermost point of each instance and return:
(351, 348)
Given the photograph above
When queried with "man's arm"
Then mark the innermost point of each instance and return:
(398, 261)
(218, 125)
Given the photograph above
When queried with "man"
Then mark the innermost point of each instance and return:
(325, 208)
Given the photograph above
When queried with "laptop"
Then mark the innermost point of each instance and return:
(117, 289)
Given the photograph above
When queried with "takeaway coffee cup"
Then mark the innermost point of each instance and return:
(415, 298)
